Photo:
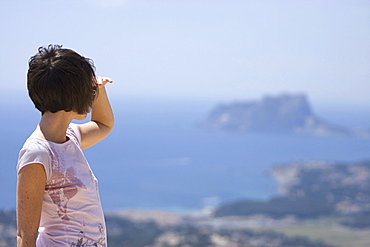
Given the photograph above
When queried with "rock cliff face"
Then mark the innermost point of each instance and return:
(289, 113)
(312, 190)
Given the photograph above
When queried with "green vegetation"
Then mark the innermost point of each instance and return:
(328, 229)
(313, 190)
(7, 228)
(207, 236)
(330, 203)
(123, 232)
(278, 207)
(359, 221)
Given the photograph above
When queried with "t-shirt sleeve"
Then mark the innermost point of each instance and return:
(35, 153)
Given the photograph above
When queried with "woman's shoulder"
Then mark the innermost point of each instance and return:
(35, 151)
(35, 145)
(73, 132)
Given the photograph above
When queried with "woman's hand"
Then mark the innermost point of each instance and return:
(102, 81)
(102, 118)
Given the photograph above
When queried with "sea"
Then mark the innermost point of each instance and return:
(159, 157)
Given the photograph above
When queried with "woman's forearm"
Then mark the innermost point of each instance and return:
(101, 111)
(102, 119)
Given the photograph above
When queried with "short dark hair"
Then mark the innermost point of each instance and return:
(61, 79)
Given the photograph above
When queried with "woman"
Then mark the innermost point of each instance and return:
(57, 195)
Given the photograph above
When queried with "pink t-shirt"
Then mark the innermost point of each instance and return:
(71, 212)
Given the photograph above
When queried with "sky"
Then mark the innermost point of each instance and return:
(220, 50)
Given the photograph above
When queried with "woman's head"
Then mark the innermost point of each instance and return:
(61, 79)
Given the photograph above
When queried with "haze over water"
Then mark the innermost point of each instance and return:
(157, 157)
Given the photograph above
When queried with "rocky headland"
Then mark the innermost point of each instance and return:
(286, 113)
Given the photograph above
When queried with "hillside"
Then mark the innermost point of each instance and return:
(321, 204)
(147, 231)
(315, 189)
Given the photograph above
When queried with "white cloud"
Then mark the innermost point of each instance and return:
(211, 201)
(182, 161)
(109, 3)
(167, 162)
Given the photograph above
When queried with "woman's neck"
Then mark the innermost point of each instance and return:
(53, 126)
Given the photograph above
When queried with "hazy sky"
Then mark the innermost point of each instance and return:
(212, 49)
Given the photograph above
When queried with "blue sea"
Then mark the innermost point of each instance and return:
(157, 156)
